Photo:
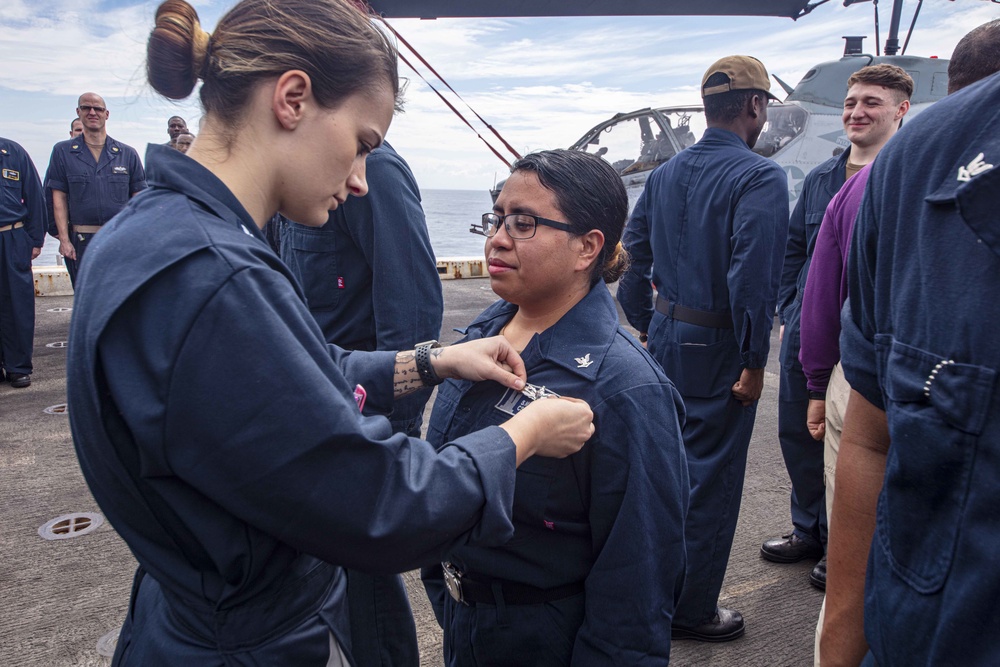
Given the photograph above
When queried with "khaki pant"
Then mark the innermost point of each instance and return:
(837, 393)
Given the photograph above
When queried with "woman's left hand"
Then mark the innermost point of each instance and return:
(484, 359)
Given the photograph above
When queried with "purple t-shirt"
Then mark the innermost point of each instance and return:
(826, 284)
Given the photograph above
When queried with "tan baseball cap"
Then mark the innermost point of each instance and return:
(744, 72)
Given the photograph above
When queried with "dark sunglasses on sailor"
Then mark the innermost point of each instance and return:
(88, 108)
(520, 226)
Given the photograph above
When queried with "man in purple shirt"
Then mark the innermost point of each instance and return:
(878, 96)
(825, 294)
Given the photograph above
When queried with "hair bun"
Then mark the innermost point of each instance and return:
(617, 264)
(199, 50)
(176, 51)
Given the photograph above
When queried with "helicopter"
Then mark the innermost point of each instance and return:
(801, 132)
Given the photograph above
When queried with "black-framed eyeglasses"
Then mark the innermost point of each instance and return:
(520, 226)
(88, 108)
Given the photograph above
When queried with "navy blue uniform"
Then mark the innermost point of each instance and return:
(95, 190)
(709, 229)
(919, 339)
(369, 273)
(609, 518)
(803, 455)
(371, 282)
(218, 432)
(22, 209)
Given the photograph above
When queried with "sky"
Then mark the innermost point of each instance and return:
(541, 82)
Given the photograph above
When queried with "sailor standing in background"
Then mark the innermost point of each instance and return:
(360, 308)
(878, 97)
(92, 177)
(22, 232)
(176, 126)
(709, 229)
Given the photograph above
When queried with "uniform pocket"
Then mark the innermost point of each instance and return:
(118, 187)
(21, 243)
(936, 409)
(10, 194)
(79, 189)
(702, 362)
(312, 256)
(532, 484)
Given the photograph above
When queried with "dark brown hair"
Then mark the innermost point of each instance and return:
(330, 40)
(724, 108)
(976, 56)
(887, 76)
(590, 193)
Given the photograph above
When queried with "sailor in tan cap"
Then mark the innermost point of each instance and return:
(710, 229)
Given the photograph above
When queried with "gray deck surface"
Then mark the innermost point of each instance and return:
(57, 598)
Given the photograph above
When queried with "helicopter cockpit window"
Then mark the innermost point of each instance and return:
(687, 125)
(784, 123)
(632, 144)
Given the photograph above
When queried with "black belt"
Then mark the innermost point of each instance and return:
(465, 589)
(701, 318)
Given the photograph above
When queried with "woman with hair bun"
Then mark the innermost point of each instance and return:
(597, 558)
(218, 432)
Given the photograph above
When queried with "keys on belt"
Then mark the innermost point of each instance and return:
(453, 581)
(468, 590)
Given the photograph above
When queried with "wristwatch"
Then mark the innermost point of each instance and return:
(422, 352)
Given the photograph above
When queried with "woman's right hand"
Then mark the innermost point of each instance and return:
(554, 427)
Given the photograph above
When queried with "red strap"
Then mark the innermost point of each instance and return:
(457, 113)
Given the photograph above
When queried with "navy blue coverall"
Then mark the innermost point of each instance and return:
(218, 433)
(369, 274)
(22, 216)
(609, 518)
(96, 190)
(803, 455)
(709, 229)
(919, 339)
(371, 282)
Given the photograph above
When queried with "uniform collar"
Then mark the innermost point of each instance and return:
(833, 172)
(724, 136)
(112, 150)
(971, 164)
(578, 342)
(839, 164)
(169, 169)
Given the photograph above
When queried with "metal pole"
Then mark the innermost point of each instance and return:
(892, 41)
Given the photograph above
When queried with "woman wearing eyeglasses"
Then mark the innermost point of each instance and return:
(597, 558)
(219, 433)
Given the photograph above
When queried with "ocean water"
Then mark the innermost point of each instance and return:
(449, 214)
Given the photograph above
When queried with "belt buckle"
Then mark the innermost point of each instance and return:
(453, 582)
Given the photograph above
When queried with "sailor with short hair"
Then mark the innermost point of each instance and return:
(708, 230)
